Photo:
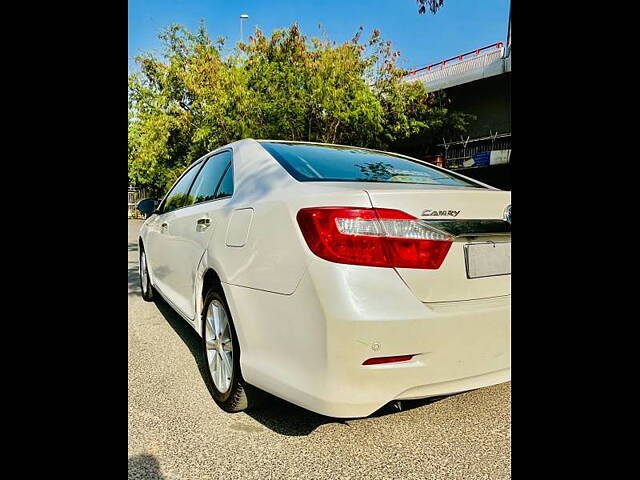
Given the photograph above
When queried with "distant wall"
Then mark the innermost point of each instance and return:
(489, 99)
(498, 176)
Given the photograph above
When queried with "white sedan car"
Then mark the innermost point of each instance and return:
(337, 278)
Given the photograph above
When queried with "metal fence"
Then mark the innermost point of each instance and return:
(135, 195)
(457, 153)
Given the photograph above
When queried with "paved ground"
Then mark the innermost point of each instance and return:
(177, 432)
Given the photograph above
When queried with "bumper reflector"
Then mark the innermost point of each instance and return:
(379, 360)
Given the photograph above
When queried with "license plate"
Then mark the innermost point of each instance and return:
(487, 259)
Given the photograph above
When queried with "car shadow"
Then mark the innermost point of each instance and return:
(276, 414)
(133, 271)
(288, 419)
(133, 278)
(185, 331)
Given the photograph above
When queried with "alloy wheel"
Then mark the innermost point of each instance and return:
(219, 346)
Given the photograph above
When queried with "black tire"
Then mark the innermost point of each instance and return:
(145, 285)
(240, 396)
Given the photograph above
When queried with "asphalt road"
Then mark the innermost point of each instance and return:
(176, 431)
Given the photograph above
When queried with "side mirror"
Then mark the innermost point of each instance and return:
(147, 206)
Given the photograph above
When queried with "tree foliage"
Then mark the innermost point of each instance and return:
(281, 86)
(433, 5)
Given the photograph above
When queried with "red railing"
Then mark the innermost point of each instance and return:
(442, 63)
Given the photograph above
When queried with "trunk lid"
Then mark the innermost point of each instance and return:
(457, 207)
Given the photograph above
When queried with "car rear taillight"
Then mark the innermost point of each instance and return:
(376, 237)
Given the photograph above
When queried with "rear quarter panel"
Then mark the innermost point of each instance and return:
(274, 256)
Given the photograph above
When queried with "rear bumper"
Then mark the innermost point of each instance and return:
(308, 347)
(459, 346)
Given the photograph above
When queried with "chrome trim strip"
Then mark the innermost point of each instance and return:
(471, 228)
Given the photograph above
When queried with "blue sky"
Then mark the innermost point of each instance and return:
(460, 26)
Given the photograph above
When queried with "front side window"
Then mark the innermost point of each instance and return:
(177, 197)
(205, 186)
(324, 163)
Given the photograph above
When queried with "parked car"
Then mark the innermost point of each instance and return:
(335, 277)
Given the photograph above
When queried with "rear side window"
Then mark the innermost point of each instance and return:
(206, 185)
(323, 163)
(177, 197)
(226, 186)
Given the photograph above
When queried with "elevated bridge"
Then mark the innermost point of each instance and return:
(477, 64)
(477, 82)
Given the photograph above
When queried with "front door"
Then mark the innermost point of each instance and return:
(193, 226)
(162, 241)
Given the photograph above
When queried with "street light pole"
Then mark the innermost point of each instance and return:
(509, 33)
(242, 17)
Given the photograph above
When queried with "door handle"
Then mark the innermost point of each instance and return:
(163, 227)
(203, 223)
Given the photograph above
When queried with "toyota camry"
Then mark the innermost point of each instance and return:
(337, 278)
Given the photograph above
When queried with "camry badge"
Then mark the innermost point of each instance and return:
(440, 213)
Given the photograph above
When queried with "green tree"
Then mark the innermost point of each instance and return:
(194, 98)
(183, 105)
(433, 5)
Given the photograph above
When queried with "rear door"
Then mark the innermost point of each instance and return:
(481, 250)
(193, 226)
(161, 243)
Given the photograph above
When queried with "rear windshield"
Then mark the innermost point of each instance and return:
(324, 163)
